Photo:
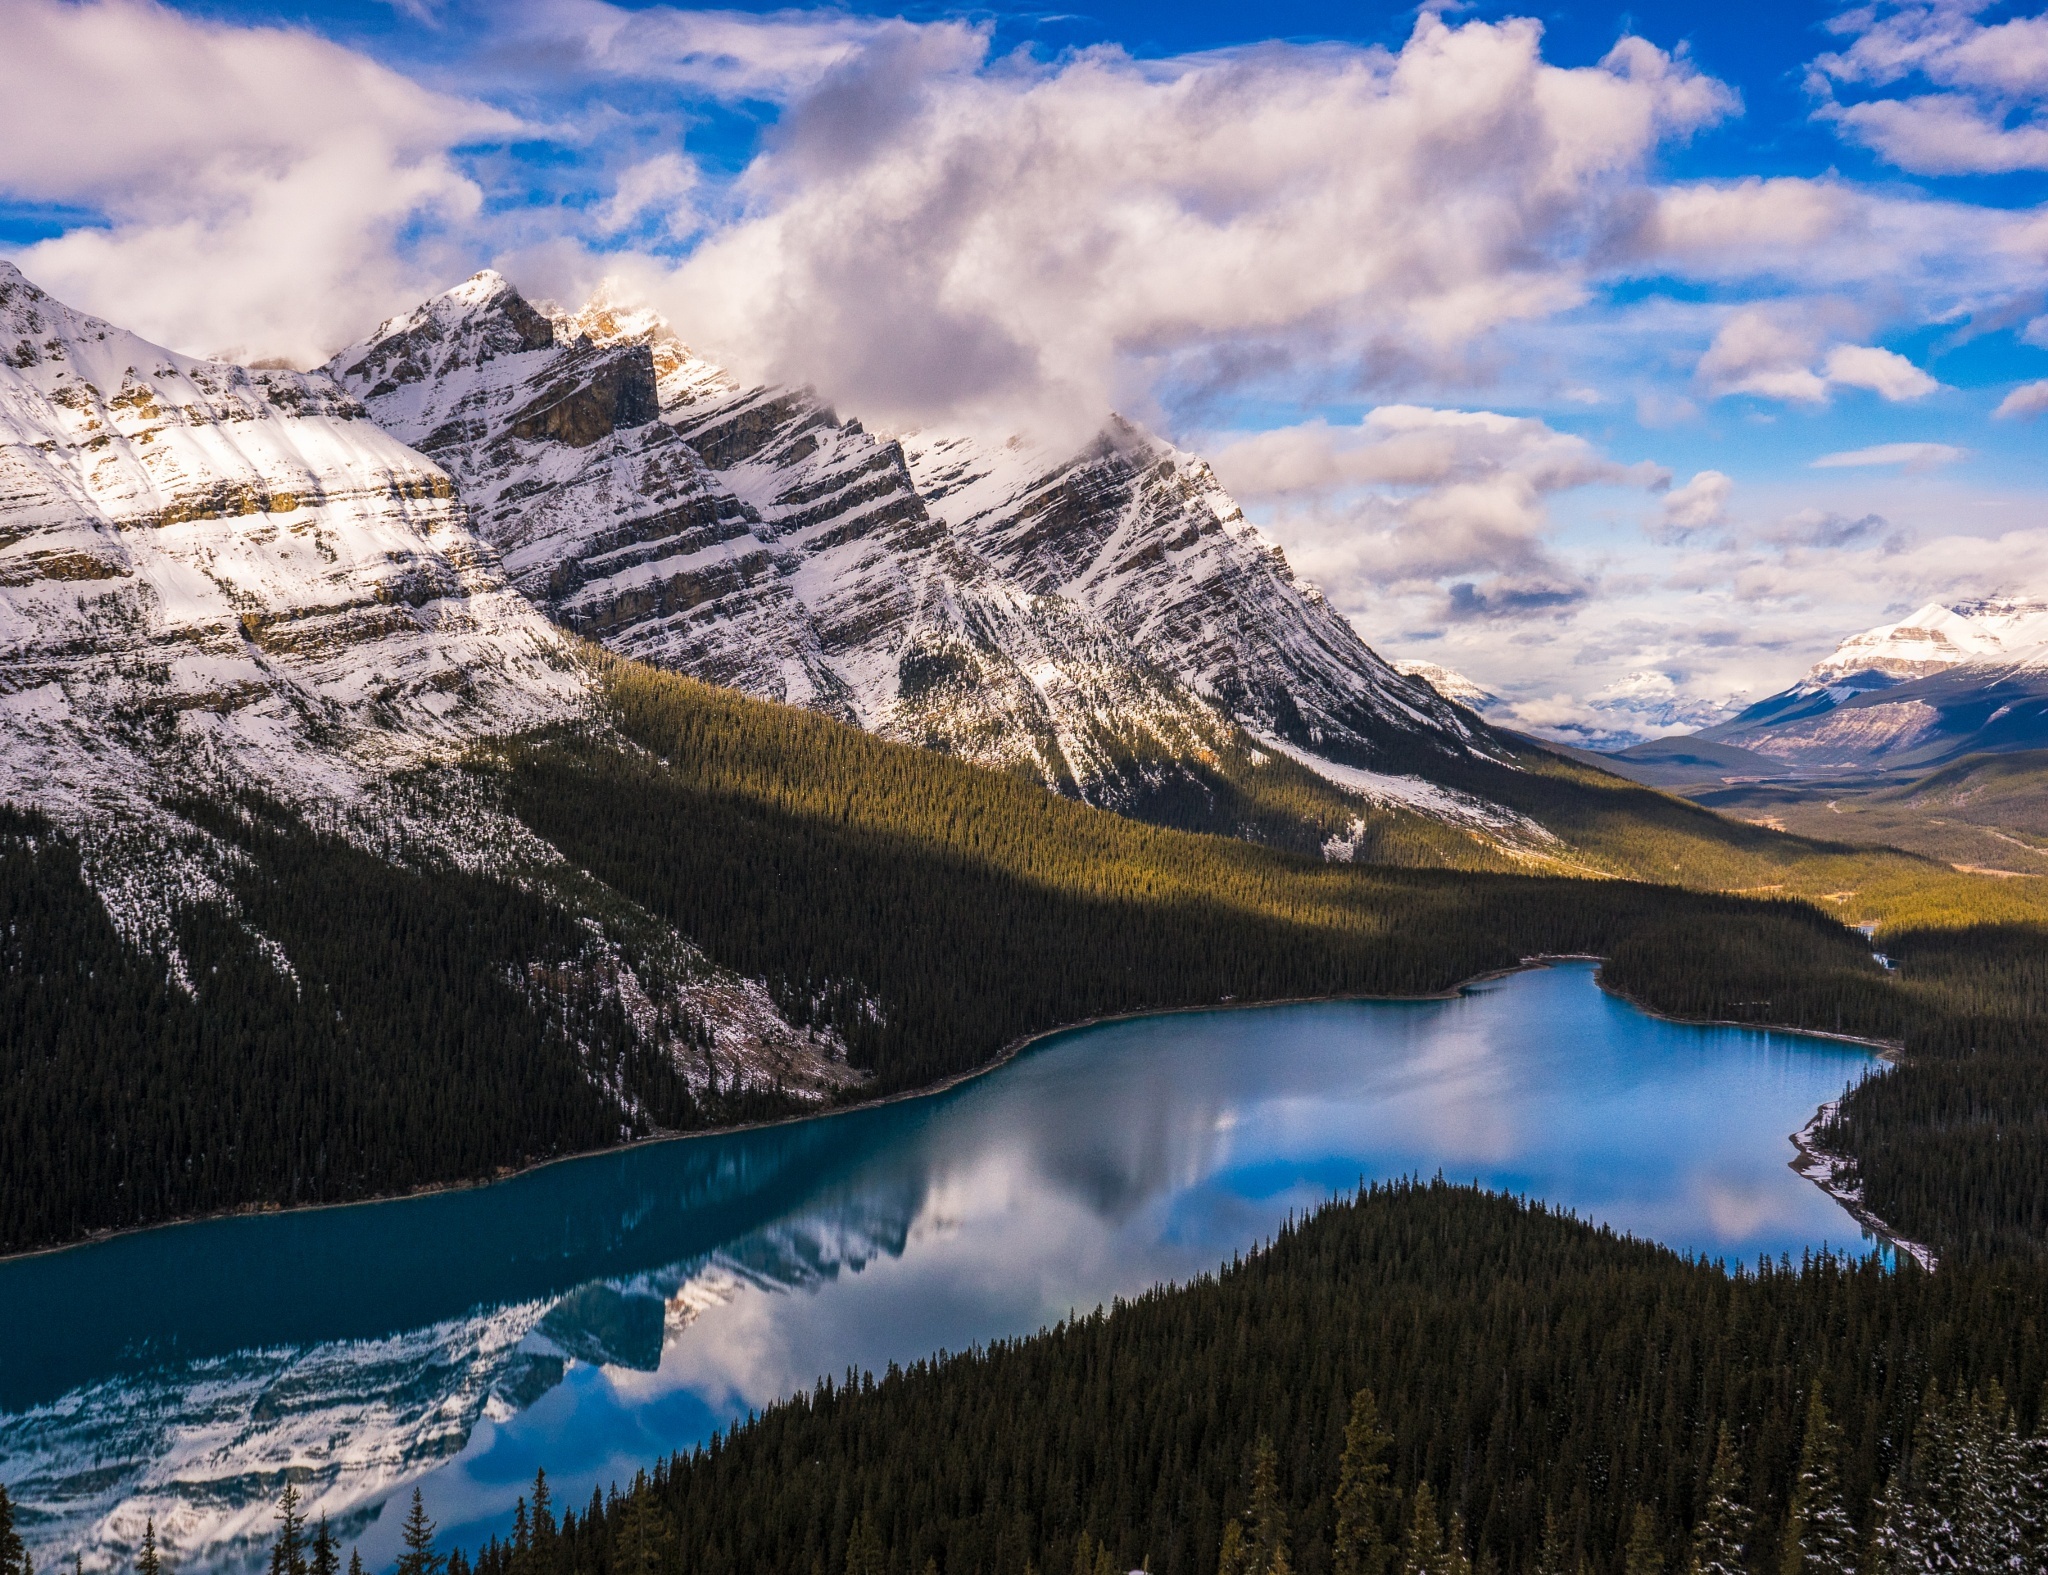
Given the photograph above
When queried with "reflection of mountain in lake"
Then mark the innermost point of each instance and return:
(206, 1445)
(590, 1316)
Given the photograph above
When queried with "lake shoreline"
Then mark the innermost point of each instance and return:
(1824, 1170)
(1002, 1058)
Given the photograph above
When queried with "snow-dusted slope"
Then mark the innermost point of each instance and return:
(1946, 681)
(213, 578)
(1141, 535)
(1091, 619)
(752, 538)
(230, 569)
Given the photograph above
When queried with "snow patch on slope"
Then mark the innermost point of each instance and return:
(1416, 793)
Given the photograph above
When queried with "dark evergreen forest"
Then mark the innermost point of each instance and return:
(1543, 1396)
(930, 911)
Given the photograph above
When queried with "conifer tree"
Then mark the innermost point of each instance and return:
(1719, 1536)
(355, 1562)
(543, 1510)
(1362, 1492)
(148, 1561)
(1456, 1560)
(1230, 1559)
(1424, 1554)
(1645, 1552)
(326, 1556)
(13, 1557)
(419, 1557)
(288, 1553)
(1266, 1518)
(1818, 1539)
(1554, 1554)
(864, 1555)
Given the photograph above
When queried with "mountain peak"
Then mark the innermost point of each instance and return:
(1934, 638)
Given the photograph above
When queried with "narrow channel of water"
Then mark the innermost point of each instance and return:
(592, 1315)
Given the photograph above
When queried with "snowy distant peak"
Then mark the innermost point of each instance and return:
(1448, 682)
(1937, 637)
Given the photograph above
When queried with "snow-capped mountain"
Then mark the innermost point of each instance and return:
(214, 577)
(1946, 681)
(1069, 615)
(237, 561)
(1448, 682)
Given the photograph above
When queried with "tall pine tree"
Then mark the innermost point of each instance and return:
(148, 1561)
(1819, 1538)
(1719, 1536)
(288, 1553)
(419, 1557)
(1360, 1546)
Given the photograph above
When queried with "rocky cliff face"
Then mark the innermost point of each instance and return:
(1100, 620)
(215, 578)
(207, 562)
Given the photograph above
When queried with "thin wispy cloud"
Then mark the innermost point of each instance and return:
(1914, 456)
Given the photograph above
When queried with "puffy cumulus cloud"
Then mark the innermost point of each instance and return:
(1988, 113)
(1445, 511)
(661, 190)
(1913, 456)
(1777, 354)
(2028, 400)
(1700, 504)
(263, 190)
(1414, 446)
(929, 234)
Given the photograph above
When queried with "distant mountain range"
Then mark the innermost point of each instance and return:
(1948, 681)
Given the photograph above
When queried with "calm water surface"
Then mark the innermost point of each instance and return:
(592, 1315)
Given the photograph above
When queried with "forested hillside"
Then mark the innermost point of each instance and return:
(932, 911)
(1543, 1397)
(428, 1025)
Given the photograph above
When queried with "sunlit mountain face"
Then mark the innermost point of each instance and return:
(1618, 361)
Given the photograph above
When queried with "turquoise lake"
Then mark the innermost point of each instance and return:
(591, 1315)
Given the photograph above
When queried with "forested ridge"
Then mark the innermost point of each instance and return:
(971, 907)
(930, 911)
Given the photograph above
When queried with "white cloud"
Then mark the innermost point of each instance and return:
(726, 55)
(2029, 399)
(1883, 372)
(1987, 119)
(1914, 456)
(927, 236)
(1698, 505)
(661, 188)
(1449, 504)
(256, 181)
(1776, 353)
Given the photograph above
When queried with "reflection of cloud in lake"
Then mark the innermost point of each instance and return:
(592, 1316)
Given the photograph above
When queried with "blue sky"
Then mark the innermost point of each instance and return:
(1624, 359)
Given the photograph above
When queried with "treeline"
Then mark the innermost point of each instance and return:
(1426, 1379)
